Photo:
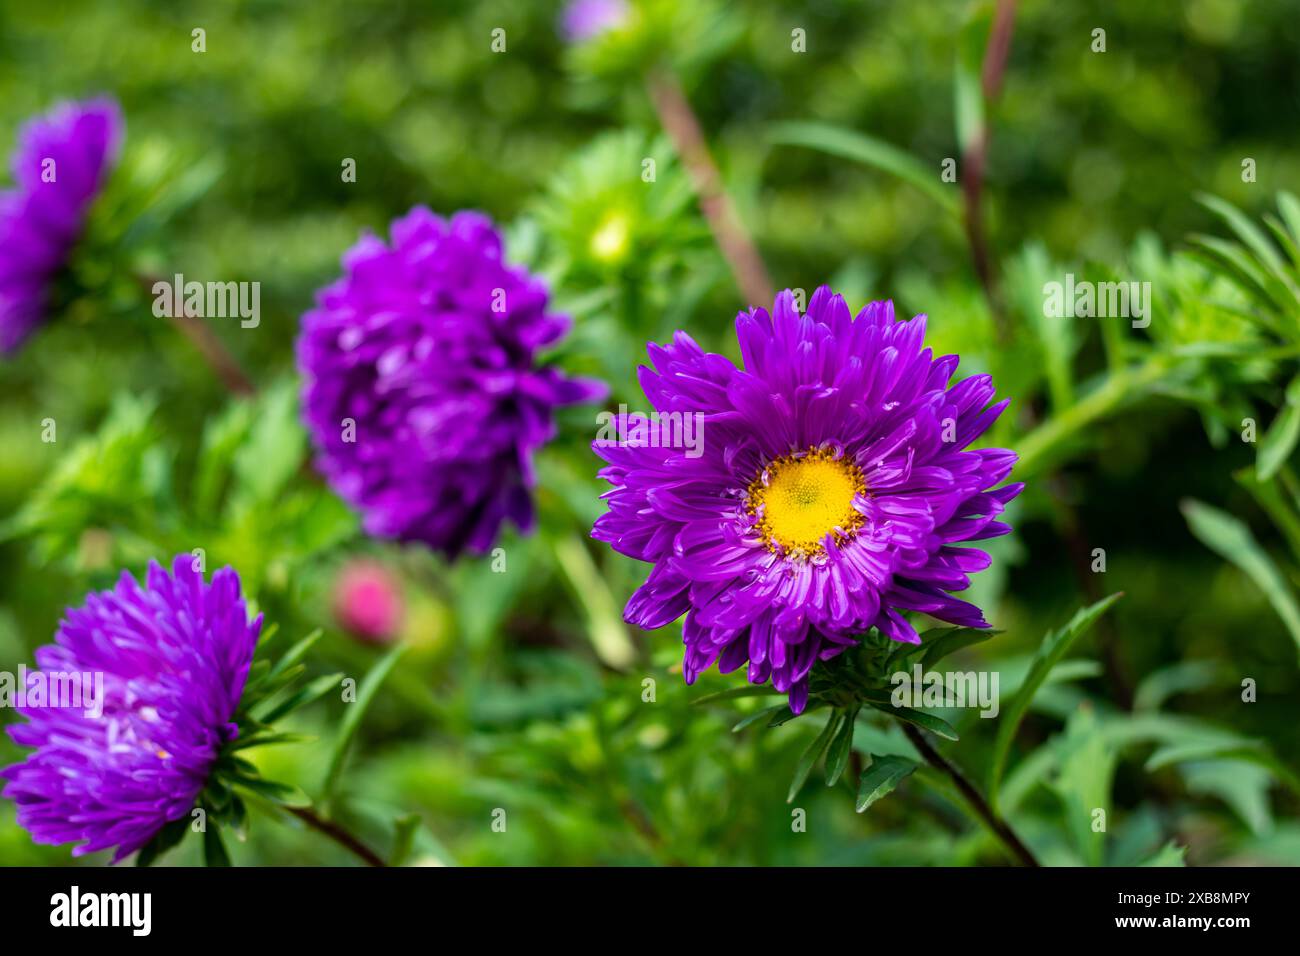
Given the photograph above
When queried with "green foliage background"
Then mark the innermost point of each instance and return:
(523, 690)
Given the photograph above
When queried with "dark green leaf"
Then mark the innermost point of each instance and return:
(355, 713)
(880, 777)
(837, 755)
(1053, 647)
(812, 754)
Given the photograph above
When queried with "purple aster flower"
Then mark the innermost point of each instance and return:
(584, 19)
(826, 497)
(173, 660)
(60, 165)
(422, 394)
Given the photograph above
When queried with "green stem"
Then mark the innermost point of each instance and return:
(1040, 444)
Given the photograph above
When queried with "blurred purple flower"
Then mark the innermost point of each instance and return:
(59, 167)
(584, 19)
(368, 601)
(173, 660)
(829, 490)
(422, 394)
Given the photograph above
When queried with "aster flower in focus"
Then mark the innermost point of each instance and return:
(174, 658)
(61, 163)
(423, 396)
(584, 19)
(829, 493)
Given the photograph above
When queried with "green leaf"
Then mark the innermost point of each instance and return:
(935, 725)
(222, 436)
(761, 690)
(849, 144)
(291, 657)
(279, 793)
(880, 778)
(759, 715)
(813, 753)
(604, 618)
(1248, 233)
(169, 836)
(1050, 651)
(268, 740)
(784, 715)
(1084, 780)
(1232, 540)
(214, 850)
(837, 755)
(404, 830)
(309, 694)
(274, 450)
(1170, 855)
(355, 713)
(1182, 677)
(952, 640)
(1279, 441)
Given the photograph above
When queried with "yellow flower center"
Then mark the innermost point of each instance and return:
(801, 498)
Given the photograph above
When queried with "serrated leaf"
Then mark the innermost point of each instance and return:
(880, 778)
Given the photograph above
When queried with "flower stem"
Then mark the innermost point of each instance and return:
(201, 336)
(338, 834)
(976, 800)
(1041, 444)
(974, 159)
(682, 126)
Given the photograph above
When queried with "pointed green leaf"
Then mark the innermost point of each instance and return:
(850, 144)
(812, 754)
(763, 690)
(837, 755)
(1050, 651)
(214, 850)
(1232, 540)
(354, 714)
(953, 640)
(936, 725)
(882, 775)
(1279, 441)
(309, 694)
(758, 715)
